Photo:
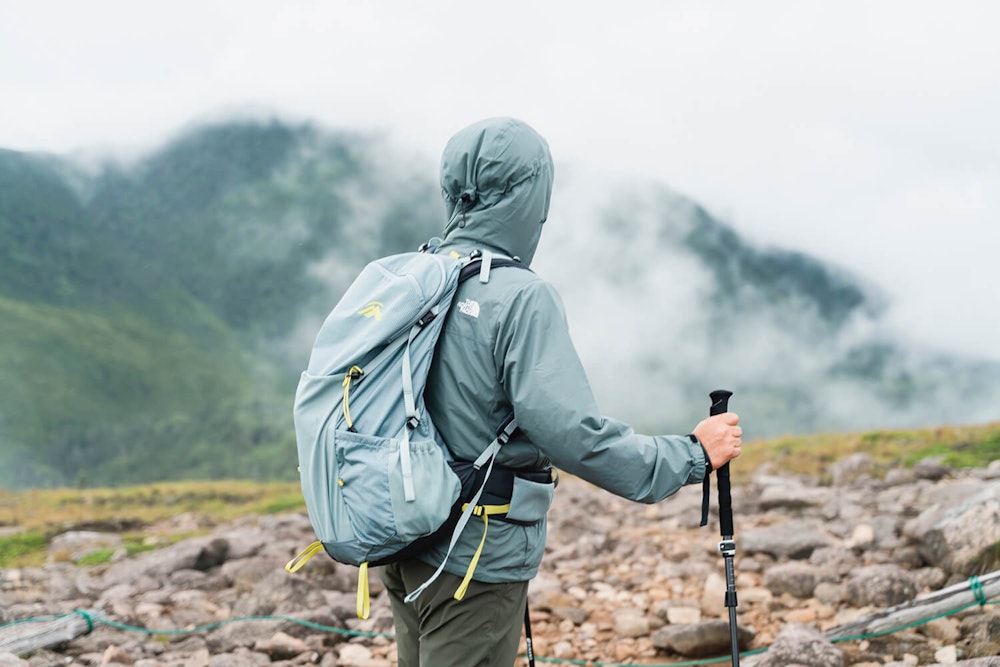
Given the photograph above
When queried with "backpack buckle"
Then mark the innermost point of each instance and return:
(506, 430)
(413, 422)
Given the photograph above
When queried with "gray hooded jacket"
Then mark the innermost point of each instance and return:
(506, 347)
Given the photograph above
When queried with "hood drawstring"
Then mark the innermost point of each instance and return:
(466, 203)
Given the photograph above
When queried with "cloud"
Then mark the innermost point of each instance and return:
(862, 133)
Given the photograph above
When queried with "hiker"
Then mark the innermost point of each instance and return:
(506, 348)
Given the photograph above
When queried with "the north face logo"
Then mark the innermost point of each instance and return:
(469, 307)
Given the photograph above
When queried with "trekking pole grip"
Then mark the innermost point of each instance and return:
(720, 404)
(720, 401)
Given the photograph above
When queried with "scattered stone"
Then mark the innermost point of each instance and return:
(880, 586)
(634, 580)
(931, 468)
(117, 655)
(796, 538)
(683, 615)
(961, 538)
(852, 469)
(281, 646)
(797, 579)
(701, 639)
(799, 644)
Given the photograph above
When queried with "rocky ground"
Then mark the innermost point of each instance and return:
(621, 583)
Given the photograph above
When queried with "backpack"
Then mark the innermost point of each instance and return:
(378, 482)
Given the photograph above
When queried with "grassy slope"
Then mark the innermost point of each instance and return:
(956, 446)
(77, 380)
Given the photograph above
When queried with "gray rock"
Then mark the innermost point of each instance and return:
(241, 657)
(798, 644)
(838, 561)
(792, 497)
(575, 614)
(796, 538)
(11, 660)
(931, 468)
(829, 593)
(701, 639)
(279, 593)
(194, 554)
(797, 579)
(281, 646)
(631, 623)
(852, 469)
(880, 586)
(961, 538)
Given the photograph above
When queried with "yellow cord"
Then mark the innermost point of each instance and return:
(296, 563)
(352, 374)
(364, 599)
(484, 511)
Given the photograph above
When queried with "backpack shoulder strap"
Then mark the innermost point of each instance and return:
(481, 263)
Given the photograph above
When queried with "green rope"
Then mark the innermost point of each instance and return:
(974, 584)
(219, 624)
(977, 590)
(86, 617)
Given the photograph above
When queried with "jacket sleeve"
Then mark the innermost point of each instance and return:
(556, 410)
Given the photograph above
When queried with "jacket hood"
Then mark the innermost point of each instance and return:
(496, 180)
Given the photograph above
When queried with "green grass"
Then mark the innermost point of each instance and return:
(131, 508)
(141, 514)
(98, 557)
(22, 549)
(956, 446)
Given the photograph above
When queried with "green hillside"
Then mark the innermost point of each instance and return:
(147, 309)
(94, 400)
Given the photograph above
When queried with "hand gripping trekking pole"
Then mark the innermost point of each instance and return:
(727, 547)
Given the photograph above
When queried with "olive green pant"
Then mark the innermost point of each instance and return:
(435, 630)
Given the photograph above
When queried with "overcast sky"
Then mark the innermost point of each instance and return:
(862, 132)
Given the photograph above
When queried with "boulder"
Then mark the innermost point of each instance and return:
(880, 586)
(701, 639)
(797, 579)
(798, 644)
(961, 538)
(796, 538)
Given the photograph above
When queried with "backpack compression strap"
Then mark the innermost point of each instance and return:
(468, 509)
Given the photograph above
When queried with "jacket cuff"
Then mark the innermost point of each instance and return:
(708, 461)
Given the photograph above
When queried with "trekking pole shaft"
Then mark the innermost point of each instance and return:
(720, 404)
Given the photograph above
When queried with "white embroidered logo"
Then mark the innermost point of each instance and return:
(469, 307)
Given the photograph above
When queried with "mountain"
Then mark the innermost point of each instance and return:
(154, 315)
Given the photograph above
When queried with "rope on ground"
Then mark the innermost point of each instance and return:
(92, 619)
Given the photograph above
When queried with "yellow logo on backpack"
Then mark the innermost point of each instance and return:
(372, 309)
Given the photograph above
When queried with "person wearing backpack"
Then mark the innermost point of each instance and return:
(505, 349)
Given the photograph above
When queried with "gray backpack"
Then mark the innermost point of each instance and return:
(378, 482)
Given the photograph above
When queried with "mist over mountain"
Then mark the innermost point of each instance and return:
(154, 315)
(666, 303)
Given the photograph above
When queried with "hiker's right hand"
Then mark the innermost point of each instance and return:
(721, 436)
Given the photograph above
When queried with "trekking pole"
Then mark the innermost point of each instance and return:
(727, 547)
